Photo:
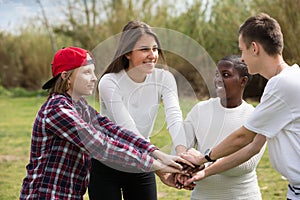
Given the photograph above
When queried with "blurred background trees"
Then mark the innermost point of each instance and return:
(26, 56)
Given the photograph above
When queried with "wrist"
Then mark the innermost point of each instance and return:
(201, 160)
(157, 166)
(207, 156)
(155, 154)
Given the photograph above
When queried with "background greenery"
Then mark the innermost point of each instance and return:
(26, 54)
(16, 119)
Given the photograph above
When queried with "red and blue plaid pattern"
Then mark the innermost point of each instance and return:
(64, 138)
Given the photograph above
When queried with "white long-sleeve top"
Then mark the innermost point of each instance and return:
(134, 105)
(206, 125)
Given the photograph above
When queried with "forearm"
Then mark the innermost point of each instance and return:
(238, 157)
(125, 136)
(234, 142)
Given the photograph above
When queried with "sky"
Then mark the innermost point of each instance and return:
(14, 12)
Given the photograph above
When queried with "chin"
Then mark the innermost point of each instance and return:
(220, 93)
(88, 93)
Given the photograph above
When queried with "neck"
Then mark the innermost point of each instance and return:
(271, 66)
(230, 103)
(73, 96)
(136, 76)
(279, 67)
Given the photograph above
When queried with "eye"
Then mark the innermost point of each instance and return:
(154, 49)
(144, 49)
(225, 75)
(87, 72)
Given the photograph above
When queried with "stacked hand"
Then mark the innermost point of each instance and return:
(183, 180)
(165, 163)
(176, 171)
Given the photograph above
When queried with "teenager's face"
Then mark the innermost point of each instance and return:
(82, 81)
(144, 56)
(247, 55)
(228, 83)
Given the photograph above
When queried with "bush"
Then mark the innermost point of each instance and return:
(4, 92)
(21, 92)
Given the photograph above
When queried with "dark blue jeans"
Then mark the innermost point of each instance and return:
(110, 184)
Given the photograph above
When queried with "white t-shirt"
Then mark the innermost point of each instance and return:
(134, 105)
(278, 118)
(206, 125)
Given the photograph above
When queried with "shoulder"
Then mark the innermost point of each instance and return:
(162, 76)
(59, 99)
(204, 105)
(56, 101)
(110, 78)
(284, 83)
(162, 73)
(208, 102)
(247, 105)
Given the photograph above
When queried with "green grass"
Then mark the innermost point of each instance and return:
(17, 116)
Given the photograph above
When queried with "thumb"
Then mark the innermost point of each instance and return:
(189, 181)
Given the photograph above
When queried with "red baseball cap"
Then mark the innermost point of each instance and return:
(67, 59)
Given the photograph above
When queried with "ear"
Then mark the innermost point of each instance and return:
(244, 81)
(255, 48)
(128, 55)
(63, 75)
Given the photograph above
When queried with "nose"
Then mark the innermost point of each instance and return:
(94, 77)
(153, 53)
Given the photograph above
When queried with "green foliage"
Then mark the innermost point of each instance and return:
(26, 56)
(21, 92)
(4, 92)
(26, 60)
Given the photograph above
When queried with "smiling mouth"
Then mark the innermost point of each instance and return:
(219, 86)
(151, 64)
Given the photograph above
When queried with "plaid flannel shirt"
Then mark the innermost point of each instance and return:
(65, 136)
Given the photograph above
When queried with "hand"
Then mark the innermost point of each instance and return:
(193, 156)
(167, 178)
(160, 167)
(196, 177)
(194, 170)
(170, 160)
(186, 181)
(180, 180)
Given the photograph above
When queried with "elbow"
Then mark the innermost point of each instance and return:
(246, 137)
(257, 145)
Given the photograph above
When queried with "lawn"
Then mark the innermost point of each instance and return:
(16, 118)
